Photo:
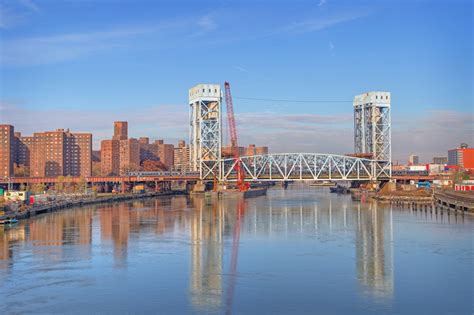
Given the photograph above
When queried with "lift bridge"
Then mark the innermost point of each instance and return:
(306, 167)
(372, 126)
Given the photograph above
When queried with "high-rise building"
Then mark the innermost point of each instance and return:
(165, 153)
(205, 129)
(78, 154)
(440, 160)
(24, 148)
(56, 153)
(462, 157)
(144, 140)
(148, 151)
(261, 150)
(227, 151)
(120, 130)
(181, 156)
(7, 150)
(413, 159)
(129, 156)
(110, 157)
(122, 154)
(254, 150)
(372, 125)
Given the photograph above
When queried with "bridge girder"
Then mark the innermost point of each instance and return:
(306, 167)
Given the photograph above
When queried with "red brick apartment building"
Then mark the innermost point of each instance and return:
(7, 150)
(122, 154)
(110, 157)
(49, 153)
(120, 130)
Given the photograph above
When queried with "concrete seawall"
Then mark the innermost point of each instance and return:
(57, 206)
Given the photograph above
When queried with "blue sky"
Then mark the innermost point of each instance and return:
(82, 64)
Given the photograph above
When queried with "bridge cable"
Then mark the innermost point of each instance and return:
(289, 100)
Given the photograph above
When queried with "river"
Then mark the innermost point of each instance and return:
(295, 251)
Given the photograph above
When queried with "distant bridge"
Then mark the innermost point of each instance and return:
(307, 167)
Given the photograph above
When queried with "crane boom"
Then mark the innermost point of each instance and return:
(231, 120)
(233, 138)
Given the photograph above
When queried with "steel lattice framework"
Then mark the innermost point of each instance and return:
(306, 166)
(372, 141)
(205, 129)
(372, 125)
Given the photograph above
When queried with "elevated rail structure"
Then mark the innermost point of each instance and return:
(136, 177)
(306, 166)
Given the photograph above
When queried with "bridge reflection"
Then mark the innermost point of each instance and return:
(207, 227)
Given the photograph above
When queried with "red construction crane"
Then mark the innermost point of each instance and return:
(233, 139)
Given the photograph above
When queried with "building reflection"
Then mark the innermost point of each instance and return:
(115, 227)
(9, 237)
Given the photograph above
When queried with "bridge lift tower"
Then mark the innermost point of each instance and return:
(205, 130)
(372, 129)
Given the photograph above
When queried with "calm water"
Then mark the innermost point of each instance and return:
(302, 250)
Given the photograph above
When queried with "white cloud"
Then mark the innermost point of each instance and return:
(322, 22)
(207, 23)
(321, 3)
(204, 25)
(241, 69)
(331, 46)
(29, 5)
(9, 17)
(431, 133)
(157, 121)
(14, 13)
(71, 46)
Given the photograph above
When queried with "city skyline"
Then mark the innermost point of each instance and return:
(72, 79)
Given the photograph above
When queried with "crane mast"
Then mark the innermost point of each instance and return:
(233, 138)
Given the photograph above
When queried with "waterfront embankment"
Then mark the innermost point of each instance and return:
(65, 204)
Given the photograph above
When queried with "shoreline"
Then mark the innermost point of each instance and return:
(404, 199)
(57, 206)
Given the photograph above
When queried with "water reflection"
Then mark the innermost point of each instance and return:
(374, 251)
(206, 230)
(211, 229)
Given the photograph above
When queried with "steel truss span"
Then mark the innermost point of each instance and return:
(306, 166)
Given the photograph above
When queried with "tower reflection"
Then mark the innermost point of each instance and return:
(374, 251)
(207, 226)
